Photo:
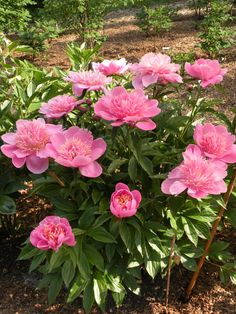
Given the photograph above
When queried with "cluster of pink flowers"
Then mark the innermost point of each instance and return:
(204, 166)
(53, 231)
(35, 141)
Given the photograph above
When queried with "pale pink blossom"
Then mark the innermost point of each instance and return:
(207, 71)
(51, 233)
(76, 148)
(216, 142)
(111, 67)
(133, 107)
(154, 68)
(87, 80)
(58, 106)
(27, 144)
(124, 203)
(198, 175)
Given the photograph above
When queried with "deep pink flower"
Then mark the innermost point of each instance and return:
(134, 108)
(207, 71)
(76, 148)
(58, 106)
(51, 233)
(111, 67)
(154, 68)
(198, 175)
(124, 203)
(27, 144)
(87, 80)
(216, 142)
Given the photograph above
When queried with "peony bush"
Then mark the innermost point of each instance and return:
(130, 159)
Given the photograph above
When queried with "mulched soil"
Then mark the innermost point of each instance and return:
(18, 294)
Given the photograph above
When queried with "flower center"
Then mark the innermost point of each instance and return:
(52, 232)
(31, 137)
(128, 106)
(75, 147)
(123, 199)
(197, 174)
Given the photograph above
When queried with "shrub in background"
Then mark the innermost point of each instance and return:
(216, 35)
(84, 17)
(14, 15)
(39, 35)
(155, 21)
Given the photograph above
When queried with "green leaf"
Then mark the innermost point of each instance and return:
(190, 230)
(96, 195)
(125, 233)
(202, 230)
(102, 219)
(132, 168)
(100, 234)
(146, 164)
(76, 290)
(116, 164)
(94, 257)
(114, 283)
(132, 284)
(30, 89)
(83, 266)
(7, 205)
(54, 289)
(118, 297)
(188, 263)
(37, 260)
(56, 259)
(100, 292)
(28, 251)
(152, 267)
(232, 277)
(88, 297)
(68, 272)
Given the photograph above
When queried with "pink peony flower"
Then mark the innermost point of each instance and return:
(133, 108)
(51, 233)
(216, 142)
(76, 148)
(111, 67)
(154, 68)
(27, 144)
(207, 71)
(198, 175)
(124, 203)
(87, 80)
(58, 106)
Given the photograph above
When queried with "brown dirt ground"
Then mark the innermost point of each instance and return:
(18, 294)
